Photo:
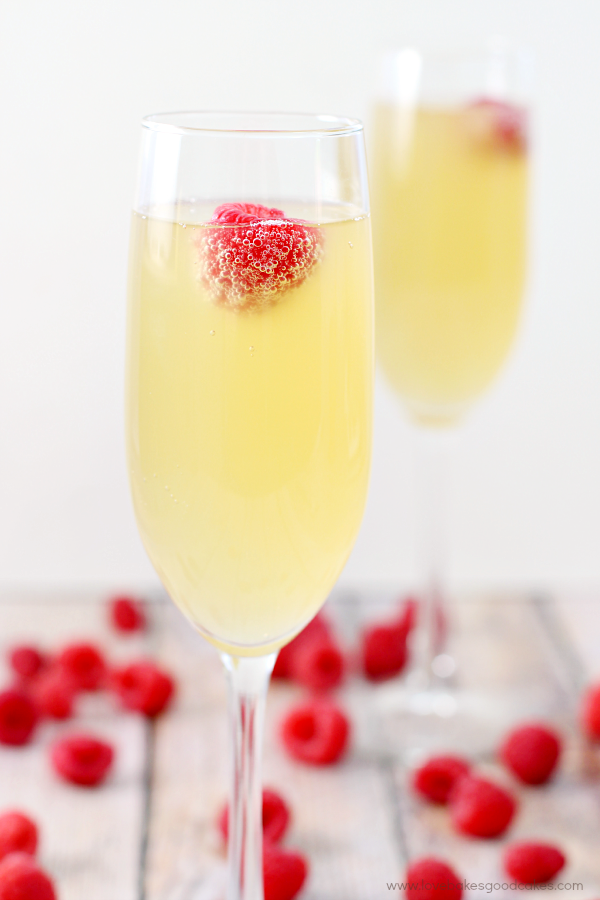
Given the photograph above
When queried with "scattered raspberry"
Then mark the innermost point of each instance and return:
(532, 863)
(317, 628)
(498, 125)
(18, 717)
(18, 834)
(318, 664)
(590, 712)
(275, 817)
(436, 778)
(22, 879)
(316, 732)
(531, 752)
(428, 876)
(143, 687)
(284, 872)
(254, 254)
(126, 614)
(85, 665)
(54, 694)
(384, 651)
(26, 661)
(480, 808)
(82, 759)
(409, 613)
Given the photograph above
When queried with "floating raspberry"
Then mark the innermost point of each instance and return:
(284, 872)
(318, 665)
(317, 628)
(18, 717)
(143, 687)
(497, 125)
(590, 712)
(85, 666)
(250, 264)
(82, 759)
(22, 879)
(275, 817)
(316, 732)
(126, 614)
(532, 863)
(531, 752)
(54, 693)
(426, 878)
(18, 833)
(436, 778)
(26, 661)
(480, 808)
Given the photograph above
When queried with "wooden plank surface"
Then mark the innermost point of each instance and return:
(149, 833)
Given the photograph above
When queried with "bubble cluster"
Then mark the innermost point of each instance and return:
(248, 265)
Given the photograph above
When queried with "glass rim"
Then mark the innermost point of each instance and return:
(315, 125)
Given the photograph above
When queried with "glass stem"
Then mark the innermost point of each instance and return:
(434, 664)
(248, 680)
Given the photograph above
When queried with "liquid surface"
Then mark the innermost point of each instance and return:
(248, 432)
(449, 223)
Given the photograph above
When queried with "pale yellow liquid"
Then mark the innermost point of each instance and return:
(449, 245)
(249, 432)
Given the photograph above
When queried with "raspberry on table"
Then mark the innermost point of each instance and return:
(126, 614)
(18, 833)
(480, 808)
(435, 779)
(248, 255)
(428, 878)
(590, 712)
(275, 817)
(533, 863)
(143, 687)
(54, 693)
(22, 879)
(318, 664)
(384, 651)
(316, 732)
(26, 661)
(18, 717)
(317, 628)
(284, 872)
(531, 752)
(82, 759)
(84, 664)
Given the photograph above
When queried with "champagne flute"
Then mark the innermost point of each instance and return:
(449, 184)
(249, 392)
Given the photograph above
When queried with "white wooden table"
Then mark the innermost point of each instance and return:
(148, 833)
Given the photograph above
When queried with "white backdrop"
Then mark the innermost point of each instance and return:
(75, 80)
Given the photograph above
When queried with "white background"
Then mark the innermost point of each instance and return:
(76, 78)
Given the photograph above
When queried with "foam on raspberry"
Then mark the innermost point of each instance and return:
(254, 254)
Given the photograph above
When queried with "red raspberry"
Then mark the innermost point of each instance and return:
(316, 732)
(531, 752)
(428, 877)
(384, 651)
(275, 817)
(318, 665)
(248, 264)
(126, 614)
(26, 661)
(481, 808)
(85, 666)
(82, 759)
(54, 694)
(18, 717)
(143, 687)
(436, 778)
(590, 712)
(497, 125)
(284, 872)
(317, 628)
(18, 833)
(532, 863)
(22, 879)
